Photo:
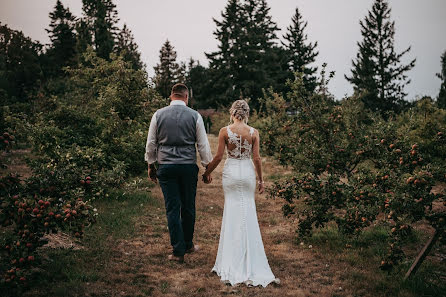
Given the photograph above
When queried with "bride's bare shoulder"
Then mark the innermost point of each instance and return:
(223, 131)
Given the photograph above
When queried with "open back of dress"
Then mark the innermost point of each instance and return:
(239, 146)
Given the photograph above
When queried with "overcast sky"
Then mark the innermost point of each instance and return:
(334, 24)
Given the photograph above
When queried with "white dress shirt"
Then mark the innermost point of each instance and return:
(203, 146)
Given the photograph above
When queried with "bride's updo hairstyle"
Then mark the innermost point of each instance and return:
(240, 110)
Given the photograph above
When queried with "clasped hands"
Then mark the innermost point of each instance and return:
(207, 178)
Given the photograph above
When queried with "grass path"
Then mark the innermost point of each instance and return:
(125, 253)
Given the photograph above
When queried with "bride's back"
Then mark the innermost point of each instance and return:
(239, 141)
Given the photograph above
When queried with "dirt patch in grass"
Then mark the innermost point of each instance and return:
(16, 162)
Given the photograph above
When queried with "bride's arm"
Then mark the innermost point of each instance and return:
(219, 155)
(257, 160)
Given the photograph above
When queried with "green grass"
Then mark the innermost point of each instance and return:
(275, 177)
(364, 253)
(67, 272)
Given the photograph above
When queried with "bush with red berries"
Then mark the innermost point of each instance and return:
(352, 167)
(27, 214)
(6, 141)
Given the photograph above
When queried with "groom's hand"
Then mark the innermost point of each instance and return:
(151, 172)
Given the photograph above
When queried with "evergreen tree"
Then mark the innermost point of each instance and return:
(197, 78)
(101, 17)
(300, 54)
(20, 69)
(377, 71)
(260, 62)
(127, 47)
(441, 101)
(168, 72)
(63, 37)
(223, 64)
(247, 59)
(84, 37)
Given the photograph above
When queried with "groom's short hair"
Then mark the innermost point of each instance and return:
(180, 90)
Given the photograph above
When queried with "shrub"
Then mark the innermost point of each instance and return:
(97, 128)
(351, 166)
(27, 214)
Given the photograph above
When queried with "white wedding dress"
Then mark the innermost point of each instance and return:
(241, 256)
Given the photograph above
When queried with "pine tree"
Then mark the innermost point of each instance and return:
(301, 54)
(101, 17)
(20, 68)
(84, 36)
(441, 101)
(127, 47)
(377, 71)
(168, 72)
(247, 58)
(223, 66)
(197, 78)
(63, 37)
(259, 56)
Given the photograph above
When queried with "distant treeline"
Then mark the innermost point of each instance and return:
(28, 68)
(250, 57)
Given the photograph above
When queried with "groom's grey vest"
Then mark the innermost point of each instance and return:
(176, 134)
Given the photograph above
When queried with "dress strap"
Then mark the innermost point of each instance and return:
(251, 131)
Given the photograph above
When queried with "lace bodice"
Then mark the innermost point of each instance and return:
(243, 149)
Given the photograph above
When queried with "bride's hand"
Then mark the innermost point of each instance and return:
(261, 187)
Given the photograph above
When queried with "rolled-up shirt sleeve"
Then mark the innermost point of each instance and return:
(204, 149)
(151, 146)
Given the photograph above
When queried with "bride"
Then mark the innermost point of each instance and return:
(241, 257)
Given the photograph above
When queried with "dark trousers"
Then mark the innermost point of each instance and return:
(179, 185)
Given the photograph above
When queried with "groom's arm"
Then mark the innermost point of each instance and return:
(203, 146)
(151, 144)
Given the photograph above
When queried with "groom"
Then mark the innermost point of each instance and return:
(174, 130)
